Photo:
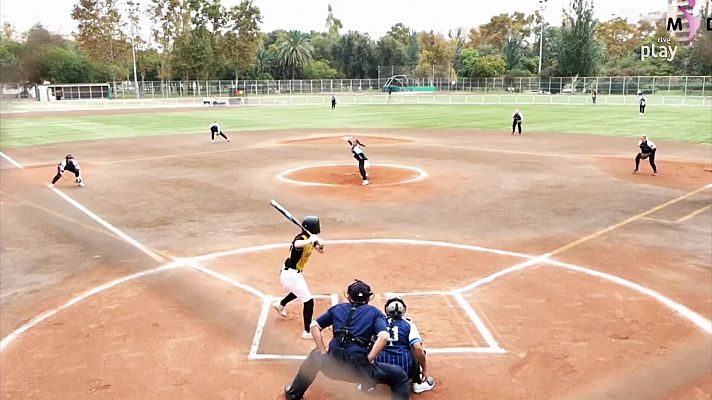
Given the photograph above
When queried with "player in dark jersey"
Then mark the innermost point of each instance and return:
(292, 276)
(647, 150)
(348, 357)
(215, 129)
(642, 102)
(405, 346)
(71, 165)
(360, 156)
(517, 121)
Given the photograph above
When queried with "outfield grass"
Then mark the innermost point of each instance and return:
(690, 124)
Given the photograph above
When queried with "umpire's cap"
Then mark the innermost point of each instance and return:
(359, 292)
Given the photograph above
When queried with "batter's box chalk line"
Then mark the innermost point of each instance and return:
(491, 348)
(194, 263)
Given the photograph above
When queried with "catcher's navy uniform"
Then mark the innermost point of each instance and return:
(354, 324)
(403, 334)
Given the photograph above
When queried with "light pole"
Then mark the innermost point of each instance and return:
(133, 48)
(542, 7)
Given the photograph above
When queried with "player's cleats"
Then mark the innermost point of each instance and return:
(80, 184)
(279, 308)
(429, 384)
(655, 174)
(306, 335)
(51, 185)
(288, 395)
(364, 183)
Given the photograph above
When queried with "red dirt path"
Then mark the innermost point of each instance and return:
(183, 335)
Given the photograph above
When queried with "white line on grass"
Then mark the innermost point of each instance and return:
(13, 162)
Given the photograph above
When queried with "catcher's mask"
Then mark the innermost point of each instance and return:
(395, 307)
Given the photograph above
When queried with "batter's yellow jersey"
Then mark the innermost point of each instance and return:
(298, 257)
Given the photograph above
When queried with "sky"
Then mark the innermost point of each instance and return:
(372, 16)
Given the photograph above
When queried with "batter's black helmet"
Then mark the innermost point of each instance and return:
(311, 223)
(395, 307)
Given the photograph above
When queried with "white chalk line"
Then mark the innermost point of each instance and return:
(283, 175)
(11, 161)
(486, 334)
(262, 321)
(89, 293)
(222, 277)
(514, 268)
(681, 310)
(698, 320)
(108, 226)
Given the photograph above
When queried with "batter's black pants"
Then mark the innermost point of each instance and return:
(69, 168)
(212, 135)
(362, 166)
(650, 157)
(642, 109)
(517, 124)
(352, 368)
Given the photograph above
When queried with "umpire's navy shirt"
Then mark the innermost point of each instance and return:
(366, 322)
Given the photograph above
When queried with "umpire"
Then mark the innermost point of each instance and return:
(349, 357)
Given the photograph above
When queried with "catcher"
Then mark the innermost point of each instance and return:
(647, 150)
(405, 346)
(360, 156)
(292, 276)
(71, 165)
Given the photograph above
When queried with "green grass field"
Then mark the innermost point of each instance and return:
(690, 124)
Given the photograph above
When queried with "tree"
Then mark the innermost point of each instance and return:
(400, 33)
(319, 69)
(294, 52)
(413, 49)
(11, 68)
(580, 52)
(263, 65)
(353, 55)
(333, 24)
(513, 51)
(66, 66)
(389, 51)
(475, 65)
(499, 28)
(244, 38)
(619, 37)
(191, 51)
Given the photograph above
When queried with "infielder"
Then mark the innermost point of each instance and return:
(517, 118)
(292, 276)
(333, 102)
(348, 357)
(405, 346)
(642, 104)
(71, 165)
(215, 128)
(360, 156)
(647, 150)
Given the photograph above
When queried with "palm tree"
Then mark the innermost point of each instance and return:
(295, 51)
(263, 63)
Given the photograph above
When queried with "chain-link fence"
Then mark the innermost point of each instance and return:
(683, 86)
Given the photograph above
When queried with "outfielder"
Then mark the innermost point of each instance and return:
(215, 128)
(647, 150)
(405, 347)
(517, 121)
(71, 165)
(292, 276)
(642, 103)
(360, 156)
(349, 357)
